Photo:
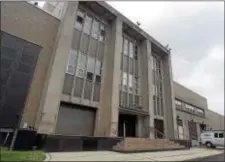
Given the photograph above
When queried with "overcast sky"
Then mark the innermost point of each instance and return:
(195, 32)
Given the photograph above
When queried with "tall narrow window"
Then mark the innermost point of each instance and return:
(153, 89)
(98, 67)
(81, 65)
(125, 81)
(131, 50)
(102, 33)
(130, 83)
(87, 25)
(152, 62)
(79, 20)
(71, 62)
(125, 47)
(90, 68)
(136, 52)
(95, 29)
(135, 82)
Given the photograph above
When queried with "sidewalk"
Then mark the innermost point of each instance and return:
(179, 155)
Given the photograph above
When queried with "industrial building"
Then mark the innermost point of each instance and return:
(82, 68)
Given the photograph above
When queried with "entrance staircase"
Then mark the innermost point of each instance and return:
(145, 144)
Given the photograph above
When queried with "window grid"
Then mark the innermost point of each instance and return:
(156, 66)
(190, 108)
(129, 74)
(177, 102)
(87, 67)
(101, 27)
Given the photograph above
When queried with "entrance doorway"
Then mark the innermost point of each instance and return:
(202, 127)
(159, 127)
(130, 125)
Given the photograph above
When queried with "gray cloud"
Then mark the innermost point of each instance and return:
(193, 35)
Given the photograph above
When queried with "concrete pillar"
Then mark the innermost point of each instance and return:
(198, 129)
(150, 99)
(107, 115)
(169, 110)
(51, 98)
(146, 83)
(140, 126)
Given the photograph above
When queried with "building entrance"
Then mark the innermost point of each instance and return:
(127, 122)
(159, 128)
(202, 127)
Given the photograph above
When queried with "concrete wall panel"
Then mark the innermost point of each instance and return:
(189, 96)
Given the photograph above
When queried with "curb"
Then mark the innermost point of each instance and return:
(47, 157)
(147, 150)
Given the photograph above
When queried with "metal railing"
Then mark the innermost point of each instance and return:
(161, 135)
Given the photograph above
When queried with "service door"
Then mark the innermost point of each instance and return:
(75, 120)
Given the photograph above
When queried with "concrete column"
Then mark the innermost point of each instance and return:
(186, 129)
(107, 117)
(51, 98)
(146, 83)
(198, 129)
(150, 99)
(139, 126)
(170, 111)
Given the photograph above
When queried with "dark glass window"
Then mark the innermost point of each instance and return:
(216, 135)
(80, 19)
(98, 78)
(89, 76)
(102, 33)
(220, 135)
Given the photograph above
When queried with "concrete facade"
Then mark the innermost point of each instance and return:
(208, 119)
(214, 120)
(53, 85)
(39, 28)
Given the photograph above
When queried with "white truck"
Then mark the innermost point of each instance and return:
(212, 138)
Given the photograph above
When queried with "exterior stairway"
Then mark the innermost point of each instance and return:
(146, 144)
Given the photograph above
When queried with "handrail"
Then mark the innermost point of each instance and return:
(185, 135)
(161, 133)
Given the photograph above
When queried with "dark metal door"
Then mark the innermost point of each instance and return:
(75, 120)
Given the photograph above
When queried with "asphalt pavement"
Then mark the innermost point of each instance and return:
(219, 157)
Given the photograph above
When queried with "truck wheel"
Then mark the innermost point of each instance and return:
(209, 144)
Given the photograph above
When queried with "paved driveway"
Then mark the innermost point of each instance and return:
(219, 157)
(179, 155)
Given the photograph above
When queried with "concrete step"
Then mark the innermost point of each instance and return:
(146, 144)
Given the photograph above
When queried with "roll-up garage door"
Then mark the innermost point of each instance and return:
(75, 120)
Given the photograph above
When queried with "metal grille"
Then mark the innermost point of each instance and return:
(7, 52)
(24, 68)
(18, 62)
